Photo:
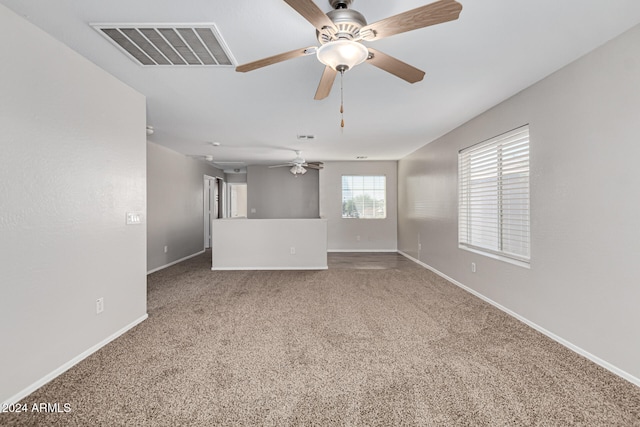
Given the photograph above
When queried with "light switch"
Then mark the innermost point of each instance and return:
(134, 218)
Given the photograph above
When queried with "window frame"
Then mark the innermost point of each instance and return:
(363, 191)
(518, 173)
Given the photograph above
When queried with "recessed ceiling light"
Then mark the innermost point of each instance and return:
(215, 144)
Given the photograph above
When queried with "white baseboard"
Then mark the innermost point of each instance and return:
(175, 262)
(391, 251)
(267, 268)
(608, 366)
(56, 372)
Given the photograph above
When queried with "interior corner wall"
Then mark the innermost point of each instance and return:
(275, 193)
(72, 165)
(585, 241)
(353, 234)
(175, 205)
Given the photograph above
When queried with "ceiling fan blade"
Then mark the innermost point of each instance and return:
(424, 16)
(274, 59)
(326, 83)
(281, 166)
(394, 66)
(314, 165)
(312, 13)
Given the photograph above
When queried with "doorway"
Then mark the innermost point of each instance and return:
(214, 191)
(237, 200)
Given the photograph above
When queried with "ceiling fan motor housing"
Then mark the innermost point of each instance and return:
(347, 22)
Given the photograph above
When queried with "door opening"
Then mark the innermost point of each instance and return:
(213, 205)
(237, 200)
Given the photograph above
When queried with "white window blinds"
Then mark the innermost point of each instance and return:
(493, 191)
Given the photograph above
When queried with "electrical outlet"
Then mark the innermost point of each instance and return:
(293, 250)
(358, 238)
(473, 267)
(166, 249)
(99, 305)
(419, 246)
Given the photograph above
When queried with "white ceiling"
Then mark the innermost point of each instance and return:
(495, 49)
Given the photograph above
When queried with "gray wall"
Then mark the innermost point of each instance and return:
(235, 178)
(585, 249)
(72, 165)
(276, 193)
(375, 234)
(175, 205)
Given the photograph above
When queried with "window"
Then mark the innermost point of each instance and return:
(364, 196)
(493, 191)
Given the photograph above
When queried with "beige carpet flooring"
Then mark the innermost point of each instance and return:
(358, 347)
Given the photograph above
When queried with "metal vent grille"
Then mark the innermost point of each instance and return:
(167, 44)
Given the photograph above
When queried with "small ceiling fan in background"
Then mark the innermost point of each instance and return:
(206, 157)
(341, 31)
(298, 165)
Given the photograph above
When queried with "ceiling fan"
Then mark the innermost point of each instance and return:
(341, 31)
(206, 157)
(298, 165)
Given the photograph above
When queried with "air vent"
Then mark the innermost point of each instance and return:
(170, 45)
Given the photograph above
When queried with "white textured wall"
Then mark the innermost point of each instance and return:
(276, 193)
(72, 163)
(375, 234)
(175, 205)
(583, 284)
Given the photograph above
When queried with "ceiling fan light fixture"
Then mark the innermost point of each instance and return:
(297, 169)
(342, 55)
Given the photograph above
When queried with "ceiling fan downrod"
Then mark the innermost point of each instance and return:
(340, 4)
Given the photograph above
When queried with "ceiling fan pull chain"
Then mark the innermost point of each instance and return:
(341, 100)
